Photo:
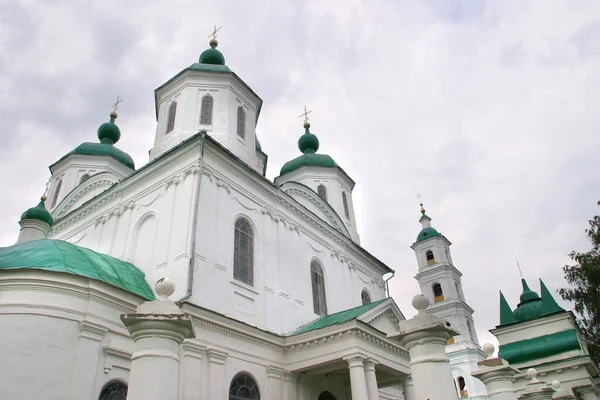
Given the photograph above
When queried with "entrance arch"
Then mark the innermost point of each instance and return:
(326, 396)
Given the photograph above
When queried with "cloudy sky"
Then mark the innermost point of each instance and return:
(489, 108)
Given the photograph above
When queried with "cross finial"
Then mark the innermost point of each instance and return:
(44, 197)
(116, 105)
(418, 196)
(520, 272)
(214, 32)
(305, 114)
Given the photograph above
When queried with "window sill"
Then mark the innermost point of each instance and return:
(244, 286)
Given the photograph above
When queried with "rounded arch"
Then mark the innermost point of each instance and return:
(206, 109)
(114, 390)
(365, 296)
(317, 280)
(142, 241)
(430, 257)
(244, 250)
(244, 386)
(438, 293)
(84, 178)
(326, 396)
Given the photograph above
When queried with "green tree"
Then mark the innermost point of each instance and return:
(584, 288)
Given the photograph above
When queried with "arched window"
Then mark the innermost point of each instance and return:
(171, 118)
(243, 387)
(462, 387)
(322, 192)
(430, 257)
(206, 110)
(365, 297)
(241, 122)
(438, 294)
(56, 193)
(318, 288)
(345, 202)
(114, 390)
(84, 178)
(326, 396)
(243, 252)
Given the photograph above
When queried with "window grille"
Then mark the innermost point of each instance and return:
(206, 110)
(322, 192)
(243, 387)
(318, 288)
(114, 390)
(241, 122)
(345, 202)
(243, 253)
(365, 297)
(171, 118)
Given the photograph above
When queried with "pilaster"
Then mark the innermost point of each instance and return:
(216, 373)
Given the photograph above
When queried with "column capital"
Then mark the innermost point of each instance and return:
(216, 356)
(274, 371)
(370, 364)
(355, 360)
(290, 376)
(92, 331)
(192, 349)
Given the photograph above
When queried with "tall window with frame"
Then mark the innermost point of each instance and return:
(206, 110)
(322, 191)
(171, 117)
(345, 203)
(56, 193)
(318, 288)
(241, 122)
(365, 297)
(243, 252)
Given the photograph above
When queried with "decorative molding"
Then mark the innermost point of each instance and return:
(216, 356)
(77, 193)
(219, 266)
(158, 195)
(314, 248)
(92, 331)
(245, 206)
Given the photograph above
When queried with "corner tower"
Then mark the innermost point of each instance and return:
(209, 96)
(440, 281)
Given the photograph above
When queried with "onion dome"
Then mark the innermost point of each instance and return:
(63, 257)
(39, 213)
(530, 306)
(108, 133)
(428, 231)
(308, 144)
(212, 55)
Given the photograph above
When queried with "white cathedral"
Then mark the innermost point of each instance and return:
(284, 302)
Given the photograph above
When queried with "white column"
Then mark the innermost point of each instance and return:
(425, 336)
(216, 373)
(274, 383)
(371, 378)
(358, 382)
(289, 385)
(192, 379)
(408, 388)
(158, 328)
(496, 375)
(85, 366)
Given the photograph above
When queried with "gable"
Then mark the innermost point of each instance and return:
(87, 190)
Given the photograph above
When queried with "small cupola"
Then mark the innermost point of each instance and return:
(212, 55)
(35, 223)
(308, 144)
(427, 231)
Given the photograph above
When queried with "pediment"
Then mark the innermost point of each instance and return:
(385, 317)
(311, 201)
(84, 192)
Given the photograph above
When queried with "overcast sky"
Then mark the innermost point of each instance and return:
(489, 108)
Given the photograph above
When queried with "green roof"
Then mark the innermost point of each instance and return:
(308, 145)
(427, 233)
(337, 318)
(540, 347)
(61, 256)
(103, 149)
(38, 212)
(209, 67)
(531, 306)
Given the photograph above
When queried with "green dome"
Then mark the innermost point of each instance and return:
(38, 212)
(308, 144)
(109, 132)
(61, 256)
(104, 149)
(530, 306)
(212, 55)
(427, 233)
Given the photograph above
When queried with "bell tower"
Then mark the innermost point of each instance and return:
(441, 282)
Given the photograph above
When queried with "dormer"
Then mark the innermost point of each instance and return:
(87, 160)
(209, 96)
(321, 174)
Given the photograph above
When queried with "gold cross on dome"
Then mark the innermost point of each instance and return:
(47, 185)
(116, 105)
(305, 114)
(214, 32)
